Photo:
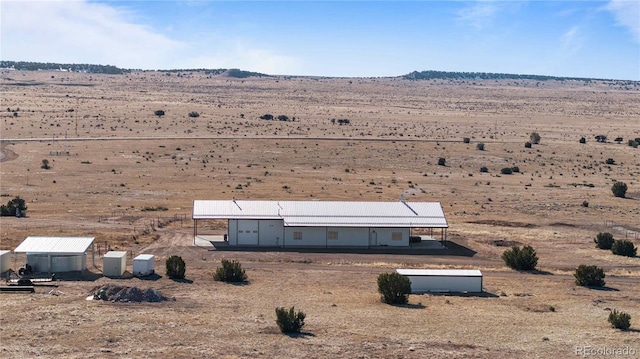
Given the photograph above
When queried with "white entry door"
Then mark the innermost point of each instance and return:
(248, 232)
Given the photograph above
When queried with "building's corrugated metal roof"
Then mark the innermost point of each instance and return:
(327, 213)
(144, 257)
(55, 245)
(441, 272)
(115, 254)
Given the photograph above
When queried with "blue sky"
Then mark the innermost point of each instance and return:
(332, 38)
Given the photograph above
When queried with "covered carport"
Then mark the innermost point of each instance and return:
(57, 254)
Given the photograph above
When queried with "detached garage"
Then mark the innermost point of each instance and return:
(57, 254)
(443, 280)
(114, 264)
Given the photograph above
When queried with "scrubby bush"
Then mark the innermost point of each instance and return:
(624, 248)
(159, 113)
(506, 171)
(515, 169)
(589, 276)
(632, 143)
(520, 259)
(535, 138)
(604, 240)
(394, 288)
(583, 140)
(610, 161)
(267, 116)
(15, 207)
(442, 161)
(619, 189)
(289, 321)
(231, 272)
(45, 164)
(194, 114)
(620, 320)
(466, 140)
(480, 146)
(585, 204)
(527, 145)
(175, 267)
(484, 169)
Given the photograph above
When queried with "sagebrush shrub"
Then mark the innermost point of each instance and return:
(176, 267)
(506, 171)
(619, 189)
(480, 146)
(394, 288)
(604, 240)
(589, 276)
(441, 161)
(520, 259)
(624, 248)
(231, 272)
(288, 320)
(620, 320)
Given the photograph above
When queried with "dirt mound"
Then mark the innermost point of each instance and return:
(116, 293)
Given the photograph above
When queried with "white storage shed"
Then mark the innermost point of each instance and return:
(5, 263)
(144, 264)
(443, 280)
(57, 254)
(114, 264)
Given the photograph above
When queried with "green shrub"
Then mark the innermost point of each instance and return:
(15, 207)
(45, 164)
(466, 140)
(194, 114)
(585, 204)
(624, 248)
(535, 138)
(527, 145)
(394, 288)
(604, 240)
(632, 143)
(610, 161)
(484, 169)
(583, 140)
(289, 321)
(515, 169)
(480, 146)
(506, 171)
(230, 272)
(619, 320)
(589, 276)
(619, 189)
(441, 161)
(175, 267)
(159, 113)
(520, 259)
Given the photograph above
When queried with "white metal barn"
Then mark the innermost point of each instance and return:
(144, 264)
(320, 223)
(443, 280)
(114, 263)
(57, 254)
(5, 263)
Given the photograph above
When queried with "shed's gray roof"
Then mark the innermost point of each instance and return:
(115, 254)
(55, 245)
(327, 213)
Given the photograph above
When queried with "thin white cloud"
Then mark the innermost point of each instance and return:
(627, 14)
(571, 40)
(478, 15)
(86, 32)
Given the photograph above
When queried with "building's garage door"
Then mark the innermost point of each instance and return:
(248, 232)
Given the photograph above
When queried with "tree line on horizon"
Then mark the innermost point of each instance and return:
(237, 73)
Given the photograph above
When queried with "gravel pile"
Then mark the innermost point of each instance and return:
(117, 293)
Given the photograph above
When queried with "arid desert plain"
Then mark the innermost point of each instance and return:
(128, 177)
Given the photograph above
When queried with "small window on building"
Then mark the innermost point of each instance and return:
(396, 236)
(240, 231)
(332, 235)
(297, 235)
(255, 231)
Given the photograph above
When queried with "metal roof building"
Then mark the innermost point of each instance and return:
(320, 223)
(56, 254)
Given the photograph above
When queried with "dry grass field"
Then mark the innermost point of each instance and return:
(128, 177)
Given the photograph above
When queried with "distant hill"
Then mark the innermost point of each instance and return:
(112, 70)
(429, 75)
(51, 66)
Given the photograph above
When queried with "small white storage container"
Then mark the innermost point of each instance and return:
(114, 264)
(144, 264)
